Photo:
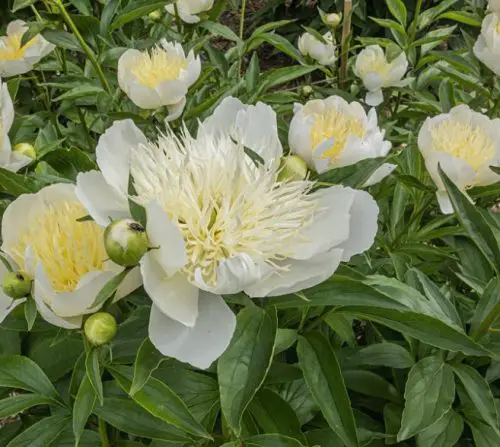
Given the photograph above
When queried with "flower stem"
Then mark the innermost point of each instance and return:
(88, 51)
(242, 31)
(346, 31)
(103, 433)
(177, 18)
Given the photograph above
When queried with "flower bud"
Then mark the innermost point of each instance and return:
(155, 15)
(292, 168)
(25, 149)
(306, 91)
(333, 19)
(17, 284)
(126, 242)
(100, 328)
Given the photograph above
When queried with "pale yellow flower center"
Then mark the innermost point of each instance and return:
(152, 69)
(67, 249)
(11, 48)
(334, 124)
(498, 27)
(465, 141)
(377, 65)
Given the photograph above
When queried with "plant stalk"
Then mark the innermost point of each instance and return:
(346, 31)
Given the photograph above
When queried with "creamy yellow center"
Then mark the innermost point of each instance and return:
(334, 124)
(498, 27)
(67, 249)
(377, 65)
(464, 141)
(11, 48)
(152, 69)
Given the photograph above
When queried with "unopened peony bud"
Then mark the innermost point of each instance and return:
(100, 328)
(306, 91)
(126, 242)
(25, 149)
(155, 15)
(333, 19)
(292, 168)
(17, 284)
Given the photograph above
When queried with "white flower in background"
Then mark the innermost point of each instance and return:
(322, 52)
(222, 224)
(16, 59)
(377, 73)
(465, 144)
(160, 77)
(494, 5)
(188, 9)
(65, 258)
(11, 160)
(332, 133)
(487, 46)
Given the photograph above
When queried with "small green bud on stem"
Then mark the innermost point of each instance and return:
(126, 242)
(17, 284)
(100, 328)
(292, 168)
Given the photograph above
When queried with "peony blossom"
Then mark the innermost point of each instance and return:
(222, 223)
(189, 9)
(160, 77)
(65, 258)
(11, 160)
(465, 144)
(322, 52)
(487, 46)
(331, 133)
(16, 59)
(377, 72)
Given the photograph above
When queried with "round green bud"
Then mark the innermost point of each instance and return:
(126, 242)
(17, 284)
(333, 19)
(292, 168)
(25, 149)
(155, 15)
(306, 91)
(100, 328)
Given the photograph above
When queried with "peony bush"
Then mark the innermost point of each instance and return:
(261, 224)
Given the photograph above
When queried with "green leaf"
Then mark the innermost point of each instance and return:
(21, 372)
(445, 432)
(41, 434)
(282, 44)
(82, 408)
(81, 91)
(271, 26)
(147, 361)
(217, 58)
(93, 372)
(109, 289)
(383, 354)
(473, 223)
(128, 417)
(30, 312)
(252, 74)
(479, 393)
(429, 394)
(462, 17)
(371, 384)
(10, 406)
(487, 309)
(62, 39)
(159, 400)
(483, 434)
(429, 15)
(135, 11)
(324, 379)
(69, 162)
(218, 29)
(20, 4)
(354, 175)
(279, 76)
(17, 184)
(244, 365)
(285, 338)
(398, 10)
(268, 440)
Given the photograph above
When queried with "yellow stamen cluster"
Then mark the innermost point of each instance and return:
(152, 69)
(11, 48)
(67, 249)
(465, 141)
(333, 123)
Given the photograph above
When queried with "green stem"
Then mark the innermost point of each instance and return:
(88, 51)
(85, 130)
(103, 433)
(485, 325)
(177, 18)
(242, 31)
(413, 27)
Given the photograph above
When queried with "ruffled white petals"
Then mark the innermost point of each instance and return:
(374, 98)
(166, 239)
(322, 52)
(175, 110)
(174, 296)
(103, 202)
(487, 46)
(380, 174)
(113, 153)
(201, 344)
(189, 9)
(298, 275)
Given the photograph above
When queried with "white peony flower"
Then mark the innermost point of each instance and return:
(487, 46)
(465, 144)
(16, 59)
(160, 77)
(331, 133)
(222, 224)
(65, 258)
(377, 73)
(11, 160)
(188, 9)
(322, 52)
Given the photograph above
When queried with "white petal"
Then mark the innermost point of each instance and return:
(362, 225)
(200, 345)
(113, 152)
(6, 107)
(380, 174)
(175, 110)
(299, 136)
(173, 295)
(132, 281)
(103, 202)
(222, 119)
(166, 235)
(374, 98)
(455, 168)
(299, 275)
(444, 202)
(322, 164)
